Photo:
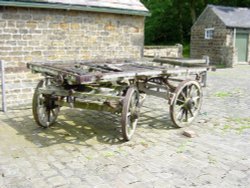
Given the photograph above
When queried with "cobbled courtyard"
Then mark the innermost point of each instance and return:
(85, 149)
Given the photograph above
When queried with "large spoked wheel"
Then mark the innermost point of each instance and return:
(186, 103)
(45, 111)
(130, 113)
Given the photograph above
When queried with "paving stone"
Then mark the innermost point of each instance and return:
(58, 165)
(1, 181)
(135, 168)
(103, 186)
(162, 184)
(49, 173)
(118, 183)
(75, 180)
(127, 178)
(67, 172)
(94, 180)
(238, 173)
(145, 176)
(141, 184)
(42, 166)
(39, 182)
(205, 179)
(57, 181)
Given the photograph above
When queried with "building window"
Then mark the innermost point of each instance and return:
(209, 33)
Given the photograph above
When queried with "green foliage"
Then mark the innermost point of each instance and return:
(211, 159)
(237, 124)
(223, 94)
(186, 50)
(183, 147)
(171, 20)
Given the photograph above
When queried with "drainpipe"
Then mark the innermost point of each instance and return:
(235, 55)
(4, 108)
(234, 37)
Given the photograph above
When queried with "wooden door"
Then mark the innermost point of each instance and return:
(242, 46)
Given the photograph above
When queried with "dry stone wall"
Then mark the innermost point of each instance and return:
(164, 51)
(41, 35)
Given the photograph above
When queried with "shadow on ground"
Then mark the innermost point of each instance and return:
(77, 126)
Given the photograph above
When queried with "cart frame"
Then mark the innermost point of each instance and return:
(120, 87)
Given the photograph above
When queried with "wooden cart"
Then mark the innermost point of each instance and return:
(119, 87)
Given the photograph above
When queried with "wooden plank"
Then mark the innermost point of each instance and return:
(80, 95)
(182, 62)
(153, 73)
(90, 106)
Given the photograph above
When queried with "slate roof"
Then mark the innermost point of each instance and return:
(233, 16)
(115, 6)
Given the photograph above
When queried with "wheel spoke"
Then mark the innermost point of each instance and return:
(182, 101)
(184, 92)
(129, 126)
(180, 114)
(192, 90)
(195, 91)
(128, 114)
(179, 107)
(52, 112)
(190, 111)
(196, 100)
(133, 100)
(183, 95)
(186, 115)
(47, 82)
(48, 113)
(188, 91)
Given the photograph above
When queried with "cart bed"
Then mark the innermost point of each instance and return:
(90, 72)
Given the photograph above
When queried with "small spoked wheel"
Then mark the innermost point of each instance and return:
(186, 103)
(45, 111)
(130, 113)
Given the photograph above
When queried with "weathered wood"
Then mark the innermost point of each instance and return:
(98, 106)
(116, 72)
(163, 95)
(80, 95)
(182, 62)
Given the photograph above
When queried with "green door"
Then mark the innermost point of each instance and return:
(242, 46)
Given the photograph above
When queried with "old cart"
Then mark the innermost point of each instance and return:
(119, 87)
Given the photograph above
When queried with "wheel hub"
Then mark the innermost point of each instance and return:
(134, 113)
(189, 104)
(49, 102)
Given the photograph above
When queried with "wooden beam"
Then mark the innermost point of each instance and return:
(182, 62)
(90, 106)
(80, 95)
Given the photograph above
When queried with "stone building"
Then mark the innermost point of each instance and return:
(55, 30)
(222, 33)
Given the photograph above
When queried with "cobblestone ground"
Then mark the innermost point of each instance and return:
(84, 149)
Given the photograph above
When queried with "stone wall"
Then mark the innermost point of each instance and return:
(217, 48)
(163, 51)
(229, 56)
(40, 35)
